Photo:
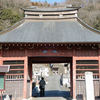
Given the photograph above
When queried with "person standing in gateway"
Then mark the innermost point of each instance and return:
(42, 87)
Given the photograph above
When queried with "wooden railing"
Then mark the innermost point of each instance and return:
(14, 76)
(82, 76)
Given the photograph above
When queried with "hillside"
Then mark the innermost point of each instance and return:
(10, 12)
(89, 12)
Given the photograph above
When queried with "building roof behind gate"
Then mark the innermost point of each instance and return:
(45, 9)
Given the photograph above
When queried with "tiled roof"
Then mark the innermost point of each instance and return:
(4, 68)
(50, 9)
(64, 31)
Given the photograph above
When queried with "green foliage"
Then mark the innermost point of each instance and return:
(90, 15)
(1, 28)
(97, 25)
(15, 18)
(0, 6)
(55, 4)
(90, 8)
(8, 14)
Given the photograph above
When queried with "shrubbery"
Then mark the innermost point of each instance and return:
(8, 18)
(89, 12)
(97, 25)
(8, 14)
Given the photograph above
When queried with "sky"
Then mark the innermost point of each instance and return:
(49, 1)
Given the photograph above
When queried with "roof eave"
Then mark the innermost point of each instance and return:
(60, 10)
(87, 26)
(86, 42)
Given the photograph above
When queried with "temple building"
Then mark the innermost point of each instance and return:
(50, 35)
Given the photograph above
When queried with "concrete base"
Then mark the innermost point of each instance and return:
(30, 98)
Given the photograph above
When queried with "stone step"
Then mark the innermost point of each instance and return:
(50, 98)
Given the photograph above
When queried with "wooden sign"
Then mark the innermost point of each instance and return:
(89, 86)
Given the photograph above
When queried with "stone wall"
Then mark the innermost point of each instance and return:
(80, 89)
(14, 88)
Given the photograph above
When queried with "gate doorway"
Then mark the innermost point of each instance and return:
(54, 60)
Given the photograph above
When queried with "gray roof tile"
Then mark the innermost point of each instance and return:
(50, 9)
(50, 32)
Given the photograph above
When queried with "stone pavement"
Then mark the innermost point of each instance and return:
(50, 98)
(53, 90)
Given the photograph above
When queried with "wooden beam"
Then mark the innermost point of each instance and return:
(51, 59)
(74, 75)
(25, 78)
(93, 74)
(31, 80)
(99, 61)
(15, 69)
(15, 64)
(1, 52)
(14, 74)
(87, 58)
(71, 82)
(86, 64)
(87, 69)
(13, 58)
(1, 61)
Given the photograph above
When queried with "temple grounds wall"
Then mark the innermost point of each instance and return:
(14, 88)
(80, 89)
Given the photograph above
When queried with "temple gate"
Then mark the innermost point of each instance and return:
(50, 35)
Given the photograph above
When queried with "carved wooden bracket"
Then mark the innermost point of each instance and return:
(69, 47)
(79, 47)
(0, 47)
(7, 48)
(94, 47)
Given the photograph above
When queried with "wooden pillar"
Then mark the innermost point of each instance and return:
(99, 61)
(74, 75)
(1, 62)
(25, 76)
(71, 79)
(99, 68)
(31, 80)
